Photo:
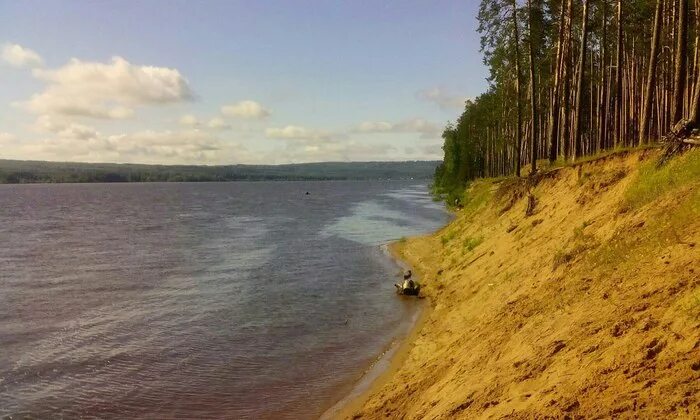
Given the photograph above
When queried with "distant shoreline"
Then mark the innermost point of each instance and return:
(40, 172)
(222, 182)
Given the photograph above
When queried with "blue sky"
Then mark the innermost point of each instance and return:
(216, 82)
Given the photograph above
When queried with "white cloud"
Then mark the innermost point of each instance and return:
(443, 99)
(350, 150)
(217, 123)
(245, 109)
(427, 129)
(189, 120)
(64, 129)
(294, 132)
(375, 127)
(18, 56)
(6, 138)
(418, 125)
(110, 90)
(75, 143)
(305, 144)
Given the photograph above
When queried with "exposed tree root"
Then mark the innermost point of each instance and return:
(677, 140)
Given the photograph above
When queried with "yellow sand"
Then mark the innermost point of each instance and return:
(587, 307)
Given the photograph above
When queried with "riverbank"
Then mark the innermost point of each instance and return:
(577, 295)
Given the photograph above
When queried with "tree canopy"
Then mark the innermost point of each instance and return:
(600, 74)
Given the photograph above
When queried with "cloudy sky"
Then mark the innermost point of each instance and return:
(219, 82)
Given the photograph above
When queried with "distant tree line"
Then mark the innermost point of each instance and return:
(571, 78)
(18, 172)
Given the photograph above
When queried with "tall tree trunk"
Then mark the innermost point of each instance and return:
(695, 106)
(681, 60)
(651, 73)
(695, 56)
(554, 111)
(534, 137)
(602, 106)
(566, 92)
(579, 82)
(618, 77)
(518, 84)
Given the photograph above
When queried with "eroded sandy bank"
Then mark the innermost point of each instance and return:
(586, 306)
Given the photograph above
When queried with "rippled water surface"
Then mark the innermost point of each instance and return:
(228, 300)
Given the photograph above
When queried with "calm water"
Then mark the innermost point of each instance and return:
(229, 300)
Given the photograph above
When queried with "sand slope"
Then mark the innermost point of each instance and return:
(587, 307)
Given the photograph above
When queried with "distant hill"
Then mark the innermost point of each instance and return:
(20, 171)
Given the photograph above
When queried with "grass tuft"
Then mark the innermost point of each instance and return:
(446, 238)
(471, 242)
(476, 196)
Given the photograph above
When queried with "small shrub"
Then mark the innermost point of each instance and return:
(446, 238)
(472, 242)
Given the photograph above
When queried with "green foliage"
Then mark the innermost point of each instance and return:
(446, 238)
(657, 233)
(477, 196)
(652, 182)
(482, 141)
(472, 242)
(579, 231)
(455, 197)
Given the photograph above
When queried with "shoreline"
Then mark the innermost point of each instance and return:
(390, 361)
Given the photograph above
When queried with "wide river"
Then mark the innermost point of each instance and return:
(214, 300)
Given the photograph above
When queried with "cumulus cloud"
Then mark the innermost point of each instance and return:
(217, 123)
(189, 120)
(75, 143)
(443, 99)
(106, 90)
(322, 151)
(64, 129)
(245, 109)
(190, 145)
(427, 129)
(303, 144)
(294, 132)
(19, 56)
